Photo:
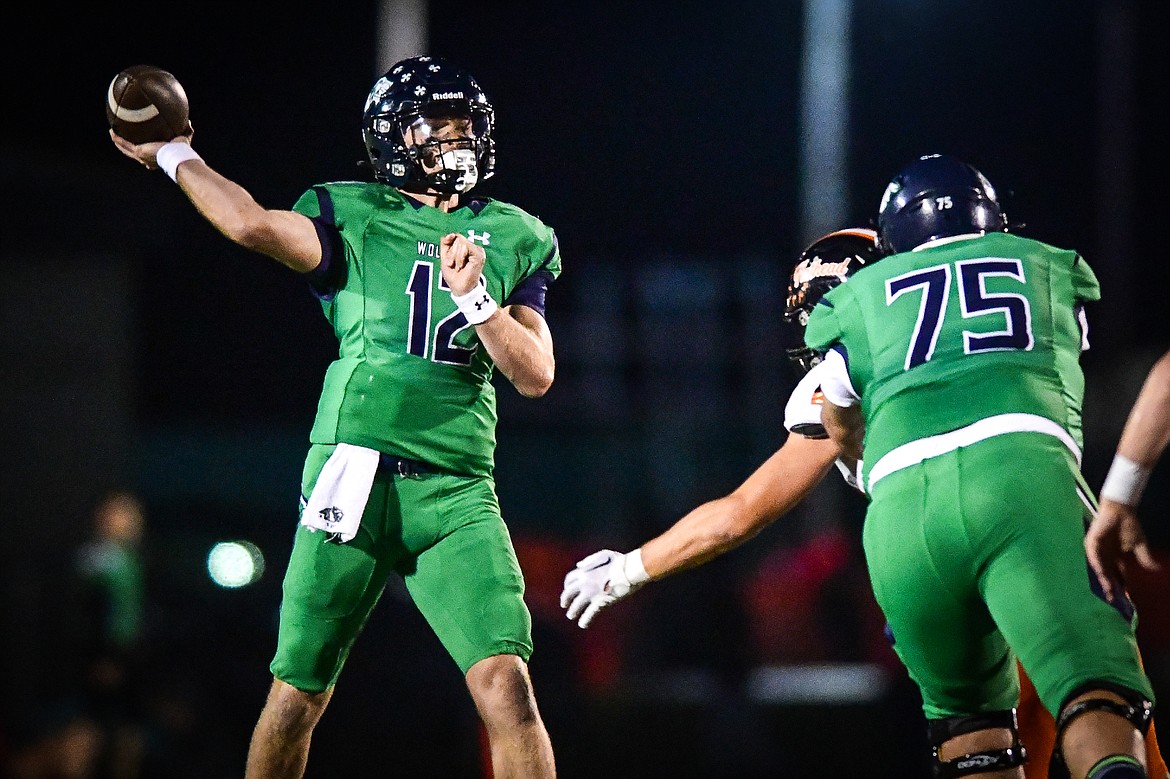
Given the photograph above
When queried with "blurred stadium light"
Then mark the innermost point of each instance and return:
(819, 683)
(233, 564)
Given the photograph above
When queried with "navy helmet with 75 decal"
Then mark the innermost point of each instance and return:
(828, 261)
(937, 196)
(408, 100)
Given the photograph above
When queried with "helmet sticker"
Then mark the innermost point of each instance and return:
(378, 92)
(815, 269)
(894, 187)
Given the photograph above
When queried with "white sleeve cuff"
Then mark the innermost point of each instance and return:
(836, 385)
(633, 569)
(802, 412)
(1126, 481)
(477, 305)
(171, 154)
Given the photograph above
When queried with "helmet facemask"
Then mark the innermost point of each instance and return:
(441, 146)
(445, 142)
(796, 314)
(802, 298)
(827, 262)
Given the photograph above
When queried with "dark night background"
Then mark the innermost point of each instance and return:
(661, 141)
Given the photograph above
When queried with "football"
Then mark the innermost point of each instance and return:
(145, 104)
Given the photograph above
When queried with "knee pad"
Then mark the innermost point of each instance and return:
(942, 730)
(1137, 710)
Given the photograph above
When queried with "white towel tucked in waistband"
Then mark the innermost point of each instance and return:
(342, 489)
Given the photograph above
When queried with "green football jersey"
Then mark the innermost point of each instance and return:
(940, 338)
(411, 377)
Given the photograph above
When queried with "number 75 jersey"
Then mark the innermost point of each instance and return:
(941, 337)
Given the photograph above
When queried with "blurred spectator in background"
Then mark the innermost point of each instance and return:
(111, 579)
(98, 731)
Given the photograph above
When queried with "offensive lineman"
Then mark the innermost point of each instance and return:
(398, 477)
(956, 361)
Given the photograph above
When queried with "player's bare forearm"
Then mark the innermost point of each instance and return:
(520, 344)
(846, 426)
(1147, 429)
(286, 236)
(720, 525)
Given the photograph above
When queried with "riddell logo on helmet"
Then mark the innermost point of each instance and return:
(447, 96)
(815, 269)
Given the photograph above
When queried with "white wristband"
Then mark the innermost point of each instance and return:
(477, 305)
(171, 154)
(1126, 481)
(633, 569)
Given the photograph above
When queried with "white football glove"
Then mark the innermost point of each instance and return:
(600, 579)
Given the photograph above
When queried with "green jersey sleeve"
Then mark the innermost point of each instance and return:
(824, 324)
(551, 252)
(538, 249)
(1085, 284)
(308, 204)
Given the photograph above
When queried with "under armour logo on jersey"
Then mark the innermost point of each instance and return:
(484, 238)
(332, 515)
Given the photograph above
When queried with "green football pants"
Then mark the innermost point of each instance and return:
(976, 558)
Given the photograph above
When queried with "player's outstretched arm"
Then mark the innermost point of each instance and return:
(1147, 429)
(1116, 533)
(715, 527)
(720, 525)
(286, 236)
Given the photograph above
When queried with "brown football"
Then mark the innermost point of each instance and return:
(145, 104)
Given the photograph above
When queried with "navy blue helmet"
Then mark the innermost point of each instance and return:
(828, 261)
(937, 196)
(410, 101)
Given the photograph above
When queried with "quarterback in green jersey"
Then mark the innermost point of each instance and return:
(954, 363)
(398, 479)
